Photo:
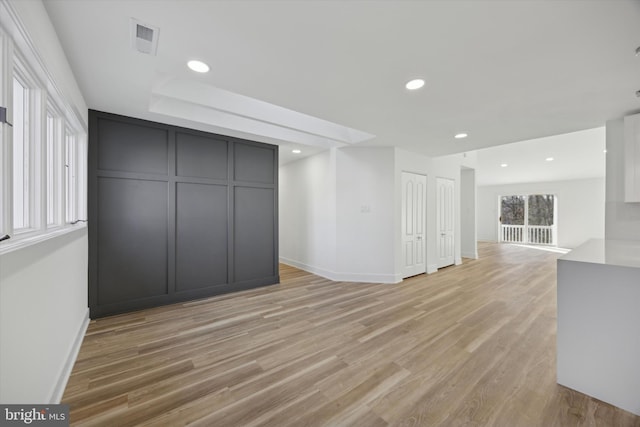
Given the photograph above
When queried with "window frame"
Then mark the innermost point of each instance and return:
(47, 200)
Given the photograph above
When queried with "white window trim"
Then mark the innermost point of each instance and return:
(46, 97)
(6, 66)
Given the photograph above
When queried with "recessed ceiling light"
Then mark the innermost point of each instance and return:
(198, 66)
(504, 165)
(460, 135)
(549, 159)
(604, 151)
(296, 151)
(414, 84)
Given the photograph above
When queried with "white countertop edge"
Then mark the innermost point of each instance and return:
(622, 253)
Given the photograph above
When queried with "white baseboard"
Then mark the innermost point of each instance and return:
(343, 276)
(458, 261)
(432, 268)
(472, 255)
(65, 373)
(369, 278)
(311, 269)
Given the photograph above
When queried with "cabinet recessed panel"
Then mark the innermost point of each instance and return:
(201, 236)
(254, 230)
(254, 164)
(201, 157)
(127, 147)
(132, 239)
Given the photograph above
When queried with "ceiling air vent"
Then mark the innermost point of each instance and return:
(144, 38)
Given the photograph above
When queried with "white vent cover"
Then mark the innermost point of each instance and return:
(144, 38)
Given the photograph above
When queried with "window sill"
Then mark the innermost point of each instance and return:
(20, 242)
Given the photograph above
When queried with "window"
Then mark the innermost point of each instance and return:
(512, 210)
(43, 155)
(81, 177)
(541, 209)
(528, 219)
(26, 148)
(20, 149)
(53, 169)
(70, 176)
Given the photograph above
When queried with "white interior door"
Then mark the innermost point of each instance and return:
(445, 221)
(414, 206)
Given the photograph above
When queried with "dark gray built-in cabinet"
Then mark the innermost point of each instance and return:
(176, 214)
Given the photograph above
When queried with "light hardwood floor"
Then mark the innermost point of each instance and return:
(469, 345)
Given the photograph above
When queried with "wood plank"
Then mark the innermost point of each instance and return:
(472, 344)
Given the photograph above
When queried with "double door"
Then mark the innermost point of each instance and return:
(414, 207)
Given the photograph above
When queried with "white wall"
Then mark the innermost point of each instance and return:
(307, 206)
(335, 215)
(580, 208)
(43, 312)
(43, 287)
(622, 219)
(468, 232)
(365, 214)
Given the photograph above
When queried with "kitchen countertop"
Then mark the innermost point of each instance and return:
(622, 253)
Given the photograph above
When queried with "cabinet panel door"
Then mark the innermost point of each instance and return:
(200, 157)
(201, 236)
(254, 232)
(132, 239)
(128, 147)
(254, 163)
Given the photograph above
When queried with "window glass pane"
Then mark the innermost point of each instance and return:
(70, 177)
(81, 178)
(541, 209)
(20, 157)
(51, 175)
(512, 210)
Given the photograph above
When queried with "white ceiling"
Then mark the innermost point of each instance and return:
(576, 155)
(500, 71)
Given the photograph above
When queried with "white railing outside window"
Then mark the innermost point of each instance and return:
(512, 233)
(533, 234)
(541, 234)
